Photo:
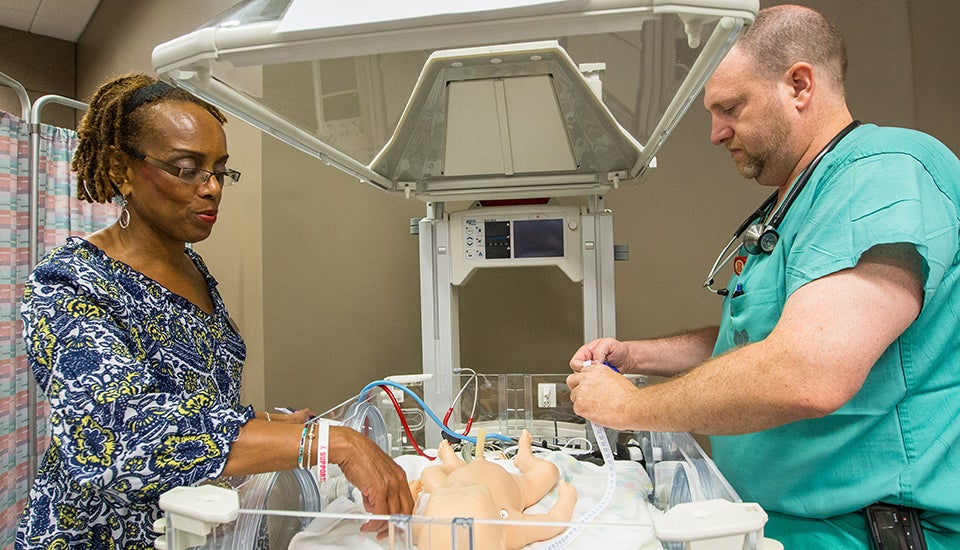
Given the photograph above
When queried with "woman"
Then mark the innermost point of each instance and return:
(132, 344)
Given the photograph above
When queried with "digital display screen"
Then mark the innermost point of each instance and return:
(887, 531)
(497, 240)
(538, 238)
(895, 528)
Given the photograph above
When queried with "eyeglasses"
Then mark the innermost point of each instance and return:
(190, 176)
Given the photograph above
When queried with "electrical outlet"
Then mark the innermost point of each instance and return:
(547, 395)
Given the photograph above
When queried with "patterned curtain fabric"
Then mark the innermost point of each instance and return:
(60, 215)
(14, 265)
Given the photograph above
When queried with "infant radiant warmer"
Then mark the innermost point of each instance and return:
(491, 101)
(485, 101)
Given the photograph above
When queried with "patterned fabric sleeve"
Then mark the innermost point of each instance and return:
(143, 397)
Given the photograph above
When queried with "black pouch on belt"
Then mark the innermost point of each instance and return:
(895, 527)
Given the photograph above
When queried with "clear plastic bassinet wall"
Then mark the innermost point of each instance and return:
(656, 491)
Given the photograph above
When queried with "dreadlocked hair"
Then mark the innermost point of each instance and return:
(113, 122)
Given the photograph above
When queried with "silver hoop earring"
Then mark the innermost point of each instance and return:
(124, 218)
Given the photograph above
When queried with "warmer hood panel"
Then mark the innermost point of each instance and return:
(464, 100)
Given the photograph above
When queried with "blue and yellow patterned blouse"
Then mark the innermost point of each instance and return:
(144, 391)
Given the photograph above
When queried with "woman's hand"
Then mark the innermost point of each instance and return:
(379, 479)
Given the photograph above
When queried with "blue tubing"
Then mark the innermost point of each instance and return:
(427, 410)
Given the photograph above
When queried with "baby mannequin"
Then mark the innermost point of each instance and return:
(485, 490)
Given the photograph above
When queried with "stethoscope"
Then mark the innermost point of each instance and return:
(762, 238)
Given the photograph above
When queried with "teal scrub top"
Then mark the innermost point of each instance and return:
(898, 439)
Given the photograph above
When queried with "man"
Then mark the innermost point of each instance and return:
(833, 380)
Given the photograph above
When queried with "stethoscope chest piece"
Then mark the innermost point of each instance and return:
(760, 238)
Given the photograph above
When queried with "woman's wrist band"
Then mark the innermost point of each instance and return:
(313, 428)
(321, 430)
(323, 442)
(303, 442)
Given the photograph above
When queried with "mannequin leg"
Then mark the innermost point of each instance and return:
(539, 475)
(435, 476)
(562, 511)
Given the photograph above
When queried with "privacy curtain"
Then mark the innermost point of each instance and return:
(60, 215)
(14, 263)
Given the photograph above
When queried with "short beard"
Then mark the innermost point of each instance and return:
(753, 164)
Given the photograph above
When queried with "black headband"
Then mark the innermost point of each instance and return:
(146, 94)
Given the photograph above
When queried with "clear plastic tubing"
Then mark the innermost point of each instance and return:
(608, 465)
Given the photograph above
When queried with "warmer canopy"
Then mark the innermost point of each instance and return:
(464, 100)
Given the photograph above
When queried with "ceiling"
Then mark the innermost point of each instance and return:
(63, 19)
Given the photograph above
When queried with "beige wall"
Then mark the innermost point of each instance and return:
(120, 38)
(936, 68)
(19, 57)
(321, 273)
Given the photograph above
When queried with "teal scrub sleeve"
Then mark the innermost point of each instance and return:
(881, 199)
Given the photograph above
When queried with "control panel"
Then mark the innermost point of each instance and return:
(515, 236)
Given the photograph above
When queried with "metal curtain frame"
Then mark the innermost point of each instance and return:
(33, 175)
(21, 93)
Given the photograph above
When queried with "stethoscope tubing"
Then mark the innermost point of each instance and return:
(767, 206)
